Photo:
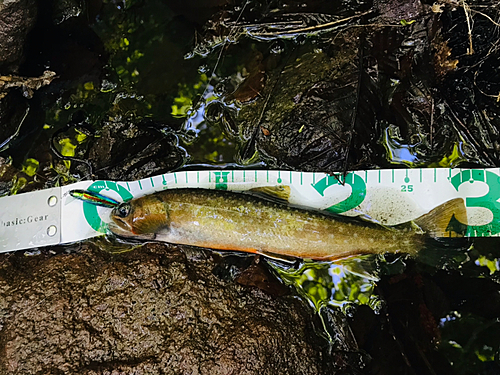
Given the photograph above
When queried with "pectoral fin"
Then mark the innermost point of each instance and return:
(280, 193)
(446, 220)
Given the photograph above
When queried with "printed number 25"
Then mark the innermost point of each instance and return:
(407, 188)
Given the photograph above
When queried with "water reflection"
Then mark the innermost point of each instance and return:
(453, 285)
(343, 284)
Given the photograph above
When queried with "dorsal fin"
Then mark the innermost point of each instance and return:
(446, 220)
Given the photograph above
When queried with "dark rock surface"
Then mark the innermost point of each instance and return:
(7, 173)
(17, 18)
(129, 152)
(150, 311)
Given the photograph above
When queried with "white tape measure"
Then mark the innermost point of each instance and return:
(389, 196)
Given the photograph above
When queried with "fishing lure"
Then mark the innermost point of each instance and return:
(94, 198)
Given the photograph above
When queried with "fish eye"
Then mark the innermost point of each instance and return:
(123, 209)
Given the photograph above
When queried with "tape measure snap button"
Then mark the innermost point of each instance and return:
(52, 230)
(52, 201)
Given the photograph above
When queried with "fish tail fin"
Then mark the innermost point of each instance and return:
(446, 220)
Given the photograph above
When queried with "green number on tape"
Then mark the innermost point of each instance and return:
(488, 201)
(90, 210)
(407, 188)
(357, 196)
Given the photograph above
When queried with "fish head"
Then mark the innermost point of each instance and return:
(140, 218)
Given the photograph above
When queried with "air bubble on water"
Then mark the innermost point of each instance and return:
(349, 309)
(376, 304)
(107, 86)
(277, 48)
(203, 69)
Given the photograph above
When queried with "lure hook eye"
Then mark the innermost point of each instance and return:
(123, 210)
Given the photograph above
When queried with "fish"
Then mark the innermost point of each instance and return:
(225, 220)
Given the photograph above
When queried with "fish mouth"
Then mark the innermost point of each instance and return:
(117, 224)
(121, 228)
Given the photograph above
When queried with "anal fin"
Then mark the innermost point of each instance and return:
(276, 256)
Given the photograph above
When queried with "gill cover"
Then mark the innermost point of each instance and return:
(145, 215)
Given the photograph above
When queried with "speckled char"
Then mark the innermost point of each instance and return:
(234, 221)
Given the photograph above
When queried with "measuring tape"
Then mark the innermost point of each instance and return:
(388, 196)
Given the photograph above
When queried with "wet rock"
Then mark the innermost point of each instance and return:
(470, 92)
(125, 151)
(362, 98)
(304, 116)
(66, 9)
(28, 85)
(148, 311)
(7, 173)
(195, 10)
(311, 137)
(17, 18)
(397, 10)
(312, 103)
(12, 111)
